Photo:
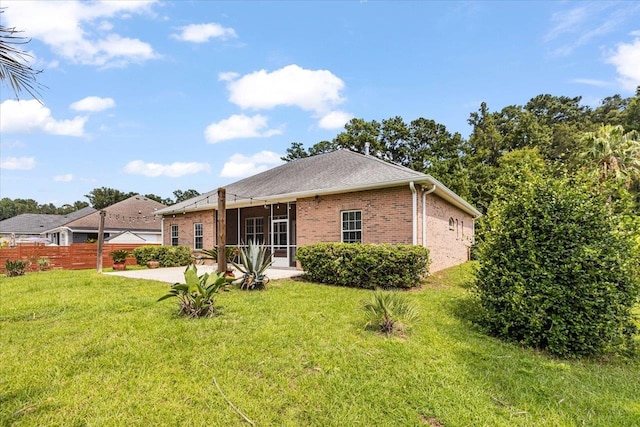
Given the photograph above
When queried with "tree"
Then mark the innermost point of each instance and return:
(181, 196)
(14, 68)
(102, 197)
(633, 113)
(296, 151)
(614, 153)
(556, 270)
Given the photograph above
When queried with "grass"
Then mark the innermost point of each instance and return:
(79, 348)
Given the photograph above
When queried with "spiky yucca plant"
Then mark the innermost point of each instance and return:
(254, 264)
(390, 312)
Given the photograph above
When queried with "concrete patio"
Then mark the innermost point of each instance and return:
(176, 274)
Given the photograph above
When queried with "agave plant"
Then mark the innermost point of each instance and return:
(254, 264)
(390, 312)
(230, 252)
(196, 296)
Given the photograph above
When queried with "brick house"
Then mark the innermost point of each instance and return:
(132, 220)
(333, 197)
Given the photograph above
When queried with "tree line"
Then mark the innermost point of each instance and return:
(568, 138)
(99, 198)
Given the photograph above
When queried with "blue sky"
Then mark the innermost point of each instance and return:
(157, 96)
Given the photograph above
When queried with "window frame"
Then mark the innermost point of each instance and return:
(355, 230)
(174, 235)
(196, 236)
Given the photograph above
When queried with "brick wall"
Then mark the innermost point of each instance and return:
(448, 247)
(386, 216)
(185, 224)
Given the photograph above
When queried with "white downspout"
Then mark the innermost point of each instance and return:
(414, 212)
(424, 214)
(162, 230)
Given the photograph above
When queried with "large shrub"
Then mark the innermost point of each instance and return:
(556, 270)
(365, 265)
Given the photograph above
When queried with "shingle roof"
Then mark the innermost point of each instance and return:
(323, 173)
(137, 213)
(38, 223)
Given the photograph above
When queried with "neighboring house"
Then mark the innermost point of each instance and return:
(135, 215)
(340, 196)
(33, 228)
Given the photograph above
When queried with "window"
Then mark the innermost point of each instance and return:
(254, 230)
(352, 226)
(197, 235)
(451, 224)
(174, 235)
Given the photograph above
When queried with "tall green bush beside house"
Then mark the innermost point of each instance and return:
(558, 269)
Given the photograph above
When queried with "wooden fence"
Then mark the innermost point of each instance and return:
(77, 256)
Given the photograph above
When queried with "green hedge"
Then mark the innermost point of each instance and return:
(365, 266)
(556, 271)
(167, 256)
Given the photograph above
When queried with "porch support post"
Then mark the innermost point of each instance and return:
(222, 230)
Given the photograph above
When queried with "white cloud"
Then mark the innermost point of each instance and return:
(239, 126)
(240, 166)
(335, 120)
(27, 116)
(578, 26)
(635, 33)
(174, 170)
(18, 163)
(311, 90)
(591, 82)
(80, 31)
(63, 178)
(228, 76)
(626, 59)
(201, 33)
(93, 104)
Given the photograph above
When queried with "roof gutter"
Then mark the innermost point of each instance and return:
(414, 213)
(424, 213)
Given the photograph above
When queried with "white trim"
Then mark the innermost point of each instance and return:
(196, 236)
(414, 213)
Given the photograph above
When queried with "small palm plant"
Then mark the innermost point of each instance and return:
(196, 296)
(389, 312)
(254, 265)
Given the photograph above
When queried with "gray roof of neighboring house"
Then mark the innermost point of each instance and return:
(137, 213)
(334, 172)
(39, 223)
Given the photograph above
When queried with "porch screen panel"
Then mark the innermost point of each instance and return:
(254, 230)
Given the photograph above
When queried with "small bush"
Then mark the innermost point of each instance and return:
(119, 255)
(174, 256)
(144, 254)
(366, 266)
(196, 295)
(167, 256)
(389, 312)
(16, 267)
(556, 272)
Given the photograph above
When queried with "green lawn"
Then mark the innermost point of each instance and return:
(78, 348)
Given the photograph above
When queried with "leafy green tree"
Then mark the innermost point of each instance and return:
(296, 151)
(613, 153)
(15, 70)
(556, 272)
(633, 113)
(102, 197)
(181, 196)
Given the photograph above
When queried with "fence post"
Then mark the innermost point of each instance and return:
(100, 240)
